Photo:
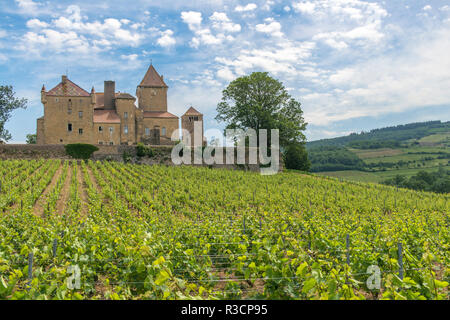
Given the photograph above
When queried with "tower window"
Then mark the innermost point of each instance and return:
(163, 131)
(80, 131)
(69, 111)
(69, 127)
(125, 129)
(80, 114)
(125, 115)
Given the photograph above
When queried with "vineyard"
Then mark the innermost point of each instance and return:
(106, 230)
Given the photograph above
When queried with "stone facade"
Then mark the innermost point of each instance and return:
(73, 115)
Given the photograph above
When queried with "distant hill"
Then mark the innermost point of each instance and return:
(386, 137)
(381, 154)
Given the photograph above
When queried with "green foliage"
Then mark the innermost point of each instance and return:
(333, 158)
(31, 138)
(296, 157)
(157, 232)
(144, 151)
(368, 144)
(400, 133)
(259, 101)
(80, 150)
(8, 103)
(438, 181)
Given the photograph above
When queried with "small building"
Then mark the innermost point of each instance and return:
(73, 115)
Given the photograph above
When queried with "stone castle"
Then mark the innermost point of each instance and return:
(73, 115)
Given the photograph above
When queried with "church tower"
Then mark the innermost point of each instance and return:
(152, 92)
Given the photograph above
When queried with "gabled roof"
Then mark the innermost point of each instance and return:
(106, 116)
(156, 114)
(192, 112)
(153, 79)
(69, 89)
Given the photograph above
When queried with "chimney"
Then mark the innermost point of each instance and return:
(64, 79)
(110, 94)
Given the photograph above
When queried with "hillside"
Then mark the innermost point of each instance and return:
(382, 154)
(158, 232)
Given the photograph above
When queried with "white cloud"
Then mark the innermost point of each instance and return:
(73, 33)
(304, 7)
(287, 8)
(272, 28)
(203, 35)
(3, 33)
(192, 18)
(129, 57)
(427, 8)
(268, 5)
(284, 58)
(226, 74)
(341, 24)
(166, 39)
(36, 24)
(248, 7)
(27, 6)
(222, 22)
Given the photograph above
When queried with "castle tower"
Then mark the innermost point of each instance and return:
(152, 92)
(188, 121)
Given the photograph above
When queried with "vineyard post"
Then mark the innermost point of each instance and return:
(347, 240)
(55, 246)
(309, 240)
(400, 260)
(30, 269)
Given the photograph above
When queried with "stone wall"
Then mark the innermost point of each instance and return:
(162, 155)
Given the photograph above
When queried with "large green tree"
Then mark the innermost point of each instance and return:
(8, 103)
(259, 101)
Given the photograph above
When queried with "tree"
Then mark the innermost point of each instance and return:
(8, 103)
(296, 157)
(259, 101)
(31, 138)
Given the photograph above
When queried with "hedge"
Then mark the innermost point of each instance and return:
(80, 150)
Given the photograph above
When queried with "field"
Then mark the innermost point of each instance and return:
(106, 230)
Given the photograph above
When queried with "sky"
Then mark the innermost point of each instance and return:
(354, 65)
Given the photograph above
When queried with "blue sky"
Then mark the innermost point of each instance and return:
(354, 65)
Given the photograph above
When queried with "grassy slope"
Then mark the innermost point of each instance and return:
(436, 142)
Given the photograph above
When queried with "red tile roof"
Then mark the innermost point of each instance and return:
(192, 112)
(155, 114)
(153, 79)
(106, 116)
(69, 89)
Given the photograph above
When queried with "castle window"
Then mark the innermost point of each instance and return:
(147, 131)
(69, 111)
(56, 100)
(69, 127)
(111, 143)
(111, 129)
(80, 131)
(80, 114)
(163, 131)
(100, 129)
(125, 129)
(100, 142)
(125, 115)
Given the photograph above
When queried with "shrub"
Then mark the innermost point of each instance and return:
(296, 157)
(142, 151)
(80, 150)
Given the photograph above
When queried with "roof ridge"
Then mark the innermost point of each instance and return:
(153, 79)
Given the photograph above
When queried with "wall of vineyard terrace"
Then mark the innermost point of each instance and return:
(110, 153)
